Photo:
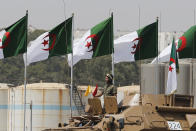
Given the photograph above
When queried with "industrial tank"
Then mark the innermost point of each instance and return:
(47, 105)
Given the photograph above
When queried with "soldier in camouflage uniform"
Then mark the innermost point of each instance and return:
(109, 89)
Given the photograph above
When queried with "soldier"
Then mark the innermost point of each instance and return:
(109, 89)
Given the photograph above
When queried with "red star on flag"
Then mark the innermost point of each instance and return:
(170, 68)
(88, 44)
(45, 42)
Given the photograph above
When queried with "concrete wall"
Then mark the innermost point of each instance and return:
(152, 78)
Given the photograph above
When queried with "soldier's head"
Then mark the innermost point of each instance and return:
(109, 78)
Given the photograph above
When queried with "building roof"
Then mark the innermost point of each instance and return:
(45, 86)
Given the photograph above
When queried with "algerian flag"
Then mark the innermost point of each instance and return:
(173, 67)
(13, 39)
(186, 47)
(139, 45)
(186, 44)
(53, 43)
(98, 41)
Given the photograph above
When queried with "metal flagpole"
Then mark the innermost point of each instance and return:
(113, 66)
(72, 64)
(112, 53)
(192, 63)
(157, 63)
(140, 61)
(71, 84)
(25, 76)
(139, 16)
(111, 14)
(193, 57)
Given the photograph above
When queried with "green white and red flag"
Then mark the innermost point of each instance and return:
(56, 42)
(138, 45)
(173, 68)
(98, 41)
(185, 46)
(13, 39)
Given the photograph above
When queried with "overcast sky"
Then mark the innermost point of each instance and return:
(176, 15)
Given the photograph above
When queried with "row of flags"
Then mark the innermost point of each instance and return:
(58, 41)
(138, 45)
(98, 41)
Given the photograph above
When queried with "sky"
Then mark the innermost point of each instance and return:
(174, 15)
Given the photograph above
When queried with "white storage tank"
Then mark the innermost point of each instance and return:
(4, 111)
(50, 106)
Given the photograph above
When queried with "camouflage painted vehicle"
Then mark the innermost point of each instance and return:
(134, 113)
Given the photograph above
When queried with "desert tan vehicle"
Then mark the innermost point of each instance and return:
(134, 113)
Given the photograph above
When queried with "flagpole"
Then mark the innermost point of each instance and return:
(113, 66)
(72, 64)
(139, 60)
(157, 63)
(159, 42)
(25, 76)
(112, 53)
(71, 84)
(192, 63)
(193, 57)
(111, 14)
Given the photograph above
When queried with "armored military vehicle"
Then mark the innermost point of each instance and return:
(136, 113)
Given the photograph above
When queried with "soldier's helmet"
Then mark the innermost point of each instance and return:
(110, 76)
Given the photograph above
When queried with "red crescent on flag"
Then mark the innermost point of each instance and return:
(53, 42)
(138, 45)
(7, 40)
(183, 45)
(96, 41)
